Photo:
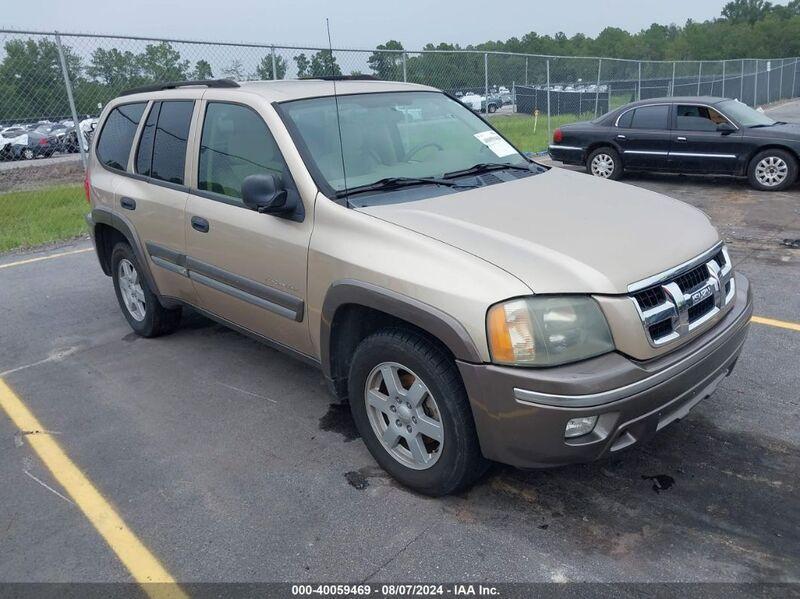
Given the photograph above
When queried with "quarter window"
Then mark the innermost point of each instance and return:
(116, 138)
(650, 117)
(698, 118)
(235, 144)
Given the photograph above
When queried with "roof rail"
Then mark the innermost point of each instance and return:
(218, 83)
(344, 78)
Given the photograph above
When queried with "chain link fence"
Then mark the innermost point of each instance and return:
(53, 87)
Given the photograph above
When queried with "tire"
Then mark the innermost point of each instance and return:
(449, 464)
(147, 317)
(492, 108)
(28, 154)
(772, 170)
(604, 163)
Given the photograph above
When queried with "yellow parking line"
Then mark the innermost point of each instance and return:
(40, 258)
(143, 565)
(792, 326)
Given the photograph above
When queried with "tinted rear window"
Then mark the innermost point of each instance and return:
(116, 138)
(171, 135)
(651, 117)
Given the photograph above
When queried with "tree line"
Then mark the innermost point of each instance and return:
(31, 81)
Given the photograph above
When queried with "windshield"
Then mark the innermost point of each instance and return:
(743, 114)
(396, 134)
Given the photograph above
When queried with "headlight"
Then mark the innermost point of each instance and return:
(547, 330)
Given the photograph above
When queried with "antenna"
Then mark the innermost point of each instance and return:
(336, 101)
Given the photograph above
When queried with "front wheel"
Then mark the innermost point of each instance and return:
(139, 304)
(604, 163)
(410, 406)
(772, 170)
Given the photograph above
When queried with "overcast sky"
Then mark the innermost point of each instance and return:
(354, 23)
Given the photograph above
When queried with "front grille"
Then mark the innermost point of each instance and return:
(676, 303)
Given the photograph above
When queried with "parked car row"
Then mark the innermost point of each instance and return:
(44, 138)
(703, 135)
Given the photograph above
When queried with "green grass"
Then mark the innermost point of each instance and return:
(519, 129)
(30, 218)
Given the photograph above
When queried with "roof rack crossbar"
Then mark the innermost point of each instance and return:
(217, 83)
(343, 78)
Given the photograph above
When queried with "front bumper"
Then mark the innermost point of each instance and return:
(521, 413)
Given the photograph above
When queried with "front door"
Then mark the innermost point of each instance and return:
(643, 136)
(699, 146)
(247, 268)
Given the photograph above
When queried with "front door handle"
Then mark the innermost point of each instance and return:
(200, 224)
(127, 203)
(681, 138)
(620, 136)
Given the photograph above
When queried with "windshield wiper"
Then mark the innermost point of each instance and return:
(483, 167)
(389, 183)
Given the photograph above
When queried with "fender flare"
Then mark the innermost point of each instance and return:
(107, 217)
(428, 318)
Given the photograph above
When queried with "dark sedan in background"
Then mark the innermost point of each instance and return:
(684, 135)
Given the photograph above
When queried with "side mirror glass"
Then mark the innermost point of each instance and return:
(265, 193)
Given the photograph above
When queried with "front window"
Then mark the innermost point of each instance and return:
(744, 115)
(396, 134)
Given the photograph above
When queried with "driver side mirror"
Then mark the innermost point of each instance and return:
(265, 193)
(725, 128)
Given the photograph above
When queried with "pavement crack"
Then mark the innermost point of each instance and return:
(48, 487)
(394, 556)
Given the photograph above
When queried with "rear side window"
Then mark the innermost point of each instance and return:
(625, 120)
(116, 138)
(162, 148)
(235, 143)
(651, 117)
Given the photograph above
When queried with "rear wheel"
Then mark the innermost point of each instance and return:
(28, 154)
(772, 170)
(604, 163)
(139, 304)
(412, 411)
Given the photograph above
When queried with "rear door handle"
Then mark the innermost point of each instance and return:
(681, 138)
(128, 203)
(620, 136)
(200, 224)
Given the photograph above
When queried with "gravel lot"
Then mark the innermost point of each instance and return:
(230, 462)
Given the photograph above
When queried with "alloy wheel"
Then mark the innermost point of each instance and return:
(771, 171)
(404, 415)
(602, 166)
(131, 289)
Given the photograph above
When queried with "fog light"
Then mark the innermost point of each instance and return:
(580, 426)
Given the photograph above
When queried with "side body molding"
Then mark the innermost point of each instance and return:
(428, 318)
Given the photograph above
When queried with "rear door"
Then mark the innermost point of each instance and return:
(697, 144)
(248, 268)
(154, 196)
(643, 134)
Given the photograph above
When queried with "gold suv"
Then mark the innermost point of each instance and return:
(470, 304)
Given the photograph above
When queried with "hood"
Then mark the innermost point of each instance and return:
(561, 231)
(790, 131)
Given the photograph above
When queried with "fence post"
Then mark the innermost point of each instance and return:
(794, 78)
(724, 62)
(405, 69)
(274, 65)
(699, 76)
(780, 82)
(769, 68)
(486, 79)
(639, 94)
(672, 87)
(741, 84)
(526, 70)
(71, 100)
(597, 91)
(755, 86)
(549, 135)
